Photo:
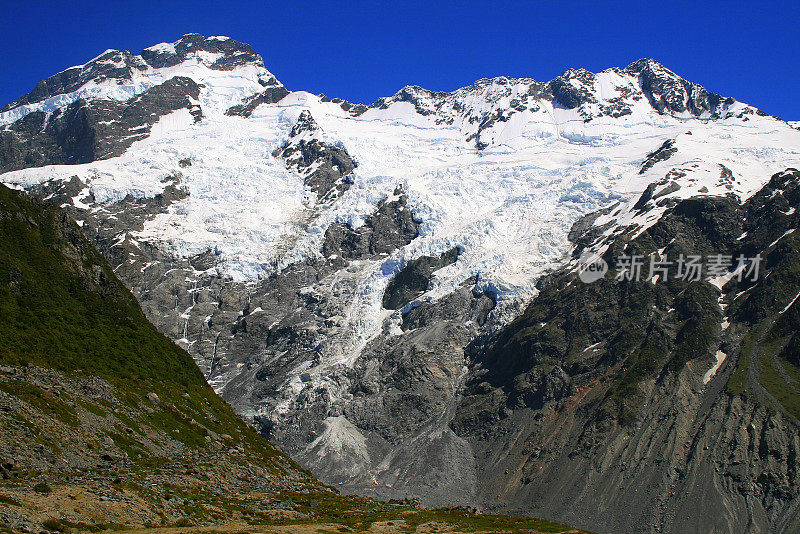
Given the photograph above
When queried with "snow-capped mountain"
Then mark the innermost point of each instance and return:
(261, 227)
(566, 147)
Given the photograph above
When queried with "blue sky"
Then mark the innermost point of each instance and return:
(363, 50)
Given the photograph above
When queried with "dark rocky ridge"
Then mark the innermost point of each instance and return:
(270, 95)
(597, 386)
(120, 65)
(570, 95)
(669, 92)
(412, 280)
(233, 53)
(326, 166)
(389, 228)
(87, 131)
(663, 153)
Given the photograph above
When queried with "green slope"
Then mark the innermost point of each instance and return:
(64, 308)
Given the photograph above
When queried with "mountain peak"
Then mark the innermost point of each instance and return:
(120, 67)
(643, 63)
(670, 93)
(219, 52)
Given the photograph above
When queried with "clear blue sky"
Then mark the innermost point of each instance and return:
(363, 50)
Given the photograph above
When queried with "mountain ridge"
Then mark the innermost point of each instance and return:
(120, 65)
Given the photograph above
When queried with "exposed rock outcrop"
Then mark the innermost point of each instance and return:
(412, 280)
(92, 130)
(325, 165)
(604, 385)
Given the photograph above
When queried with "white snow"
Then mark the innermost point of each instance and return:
(163, 48)
(720, 281)
(509, 207)
(790, 304)
(720, 356)
(787, 232)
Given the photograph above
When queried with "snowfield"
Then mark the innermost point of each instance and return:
(509, 206)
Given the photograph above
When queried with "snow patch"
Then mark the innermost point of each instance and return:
(790, 304)
(162, 48)
(720, 356)
(787, 232)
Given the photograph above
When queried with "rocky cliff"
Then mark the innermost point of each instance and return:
(680, 396)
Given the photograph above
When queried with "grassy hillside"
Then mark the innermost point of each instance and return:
(64, 308)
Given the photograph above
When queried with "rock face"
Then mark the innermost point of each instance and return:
(663, 153)
(388, 291)
(326, 166)
(389, 228)
(413, 279)
(613, 384)
(88, 131)
(270, 95)
(669, 93)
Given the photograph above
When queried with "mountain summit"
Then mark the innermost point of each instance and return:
(124, 69)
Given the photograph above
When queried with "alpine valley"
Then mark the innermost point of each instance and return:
(389, 292)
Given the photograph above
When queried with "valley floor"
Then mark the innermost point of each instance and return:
(79, 508)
